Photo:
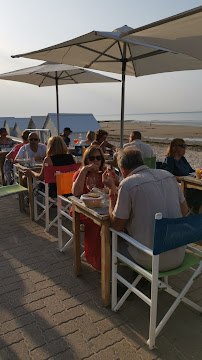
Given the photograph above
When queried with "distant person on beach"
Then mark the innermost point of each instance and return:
(34, 149)
(135, 139)
(56, 156)
(5, 142)
(90, 137)
(176, 163)
(141, 194)
(65, 135)
(10, 157)
(101, 140)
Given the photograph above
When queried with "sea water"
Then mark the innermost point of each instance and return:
(172, 118)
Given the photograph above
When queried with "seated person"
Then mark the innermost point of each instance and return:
(34, 149)
(101, 140)
(10, 157)
(65, 135)
(91, 170)
(56, 156)
(5, 142)
(176, 163)
(135, 139)
(90, 137)
(142, 193)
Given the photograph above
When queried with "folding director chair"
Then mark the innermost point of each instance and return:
(64, 186)
(150, 162)
(169, 234)
(47, 202)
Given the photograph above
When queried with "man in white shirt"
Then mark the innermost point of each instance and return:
(135, 139)
(34, 149)
(142, 193)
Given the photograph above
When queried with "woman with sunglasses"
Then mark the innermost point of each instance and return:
(91, 169)
(176, 163)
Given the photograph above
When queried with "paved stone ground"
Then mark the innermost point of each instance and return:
(48, 313)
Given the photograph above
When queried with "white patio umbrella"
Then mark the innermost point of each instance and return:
(181, 33)
(111, 51)
(49, 74)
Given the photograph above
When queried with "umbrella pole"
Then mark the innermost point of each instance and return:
(123, 94)
(57, 104)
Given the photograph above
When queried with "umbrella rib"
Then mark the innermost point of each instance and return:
(153, 53)
(132, 60)
(69, 76)
(45, 75)
(100, 53)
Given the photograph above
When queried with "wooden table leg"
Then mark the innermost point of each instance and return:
(76, 241)
(2, 171)
(31, 197)
(21, 195)
(105, 262)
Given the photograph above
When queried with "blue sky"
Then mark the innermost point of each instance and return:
(31, 25)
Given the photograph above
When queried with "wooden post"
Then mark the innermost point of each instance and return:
(105, 262)
(76, 240)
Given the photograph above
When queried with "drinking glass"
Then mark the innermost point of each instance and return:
(90, 183)
(76, 141)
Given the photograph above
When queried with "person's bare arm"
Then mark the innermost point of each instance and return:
(184, 208)
(78, 185)
(39, 176)
(9, 156)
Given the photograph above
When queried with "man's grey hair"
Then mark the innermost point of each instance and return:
(129, 158)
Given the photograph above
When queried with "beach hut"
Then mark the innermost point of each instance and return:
(78, 123)
(37, 122)
(20, 125)
(8, 123)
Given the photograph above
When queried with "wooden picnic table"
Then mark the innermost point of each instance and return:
(190, 182)
(2, 159)
(21, 169)
(100, 216)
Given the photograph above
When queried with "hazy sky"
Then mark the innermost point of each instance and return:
(34, 24)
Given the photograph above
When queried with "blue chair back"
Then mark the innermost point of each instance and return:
(173, 233)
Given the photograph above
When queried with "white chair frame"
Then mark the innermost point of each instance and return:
(156, 284)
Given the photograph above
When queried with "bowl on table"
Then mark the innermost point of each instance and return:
(92, 200)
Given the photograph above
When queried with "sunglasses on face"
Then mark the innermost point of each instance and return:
(92, 158)
(33, 139)
(183, 146)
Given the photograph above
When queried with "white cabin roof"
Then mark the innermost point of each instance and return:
(39, 121)
(22, 123)
(9, 120)
(76, 122)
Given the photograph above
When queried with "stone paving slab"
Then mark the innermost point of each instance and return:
(48, 313)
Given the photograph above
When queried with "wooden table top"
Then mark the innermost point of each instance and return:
(101, 213)
(22, 167)
(191, 179)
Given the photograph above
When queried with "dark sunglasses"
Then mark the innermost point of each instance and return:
(33, 139)
(183, 146)
(92, 158)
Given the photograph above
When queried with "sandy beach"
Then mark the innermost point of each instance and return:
(159, 146)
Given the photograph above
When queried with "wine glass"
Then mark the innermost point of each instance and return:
(76, 141)
(90, 183)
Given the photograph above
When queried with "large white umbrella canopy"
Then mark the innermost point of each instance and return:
(111, 51)
(49, 74)
(181, 33)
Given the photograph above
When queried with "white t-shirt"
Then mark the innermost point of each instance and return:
(41, 151)
(141, 195)
(145, 149)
